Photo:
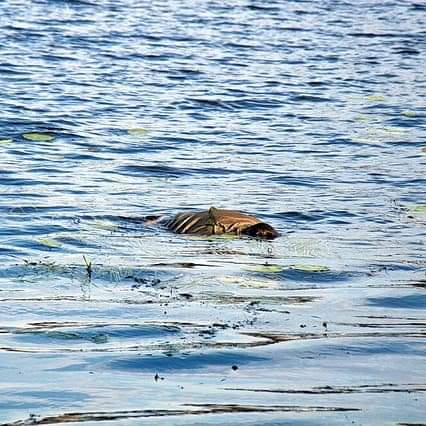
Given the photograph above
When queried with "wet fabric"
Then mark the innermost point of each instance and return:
(211, 222)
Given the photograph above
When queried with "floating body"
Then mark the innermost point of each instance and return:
(219, 221)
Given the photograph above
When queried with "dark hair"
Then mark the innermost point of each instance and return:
(261, 230)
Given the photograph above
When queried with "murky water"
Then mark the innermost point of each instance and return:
(309, 114)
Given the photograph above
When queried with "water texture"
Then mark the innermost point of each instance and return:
(309, 114)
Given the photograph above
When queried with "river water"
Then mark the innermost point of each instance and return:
(309, 114)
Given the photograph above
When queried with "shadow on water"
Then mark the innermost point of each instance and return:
(295, 274)
(32, 400)
(98, 334)
(414, 301)
(180, 362)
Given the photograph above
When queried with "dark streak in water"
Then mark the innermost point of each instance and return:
(327, 390)
(199, 410)
(266, 339)
(278, 337)
(168, 171)
(384, 325)
(53, 325)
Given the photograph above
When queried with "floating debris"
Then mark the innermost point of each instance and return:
(418, 208)
(38, 137)
(274, 268)
(267, 268)
(409, 114)
(137, 131)
(49, 242)
(376, 98)
(309, 268)
(105, 225)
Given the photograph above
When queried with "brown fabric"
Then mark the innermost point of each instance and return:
(211, 222)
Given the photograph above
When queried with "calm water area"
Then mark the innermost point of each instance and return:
(310, 115)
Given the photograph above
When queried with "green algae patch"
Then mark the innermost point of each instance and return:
(227, 237)
(370, 118)
(418, 209)
(393, 130)
(376, 98)
(38, 137)
(49, 242)
(105, 225)
(267, 268)
(137, 131)
(213, 237)
(247, 282)
(409, 114)
(274, 269)
(309, 268)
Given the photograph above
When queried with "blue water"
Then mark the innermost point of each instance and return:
(310, 115)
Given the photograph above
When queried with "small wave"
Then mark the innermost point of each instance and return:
(168, 171)
(229, 104)
(310, 98)
(299, 180)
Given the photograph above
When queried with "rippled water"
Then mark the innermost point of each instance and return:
(309, 114)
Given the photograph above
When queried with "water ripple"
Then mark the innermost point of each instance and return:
(308, 114)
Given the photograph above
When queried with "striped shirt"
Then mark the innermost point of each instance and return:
(211, 222)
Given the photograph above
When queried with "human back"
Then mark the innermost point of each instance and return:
(220, 221)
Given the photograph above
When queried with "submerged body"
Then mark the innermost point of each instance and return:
(219, 221)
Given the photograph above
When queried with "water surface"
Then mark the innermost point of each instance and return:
(309, 114)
